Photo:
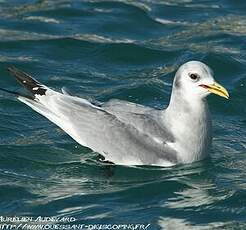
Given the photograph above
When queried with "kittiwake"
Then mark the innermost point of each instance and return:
(126, 133)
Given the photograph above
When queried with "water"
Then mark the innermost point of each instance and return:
(128, 50)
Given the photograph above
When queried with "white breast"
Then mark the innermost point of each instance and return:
(192, 131)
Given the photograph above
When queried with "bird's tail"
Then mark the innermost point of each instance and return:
(30, 84)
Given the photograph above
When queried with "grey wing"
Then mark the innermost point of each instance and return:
(143, 118)
(118, 106)
(103, 132)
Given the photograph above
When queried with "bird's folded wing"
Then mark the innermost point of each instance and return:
(118, 106)
(103, 132)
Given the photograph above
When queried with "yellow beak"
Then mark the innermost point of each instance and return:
(216, 88)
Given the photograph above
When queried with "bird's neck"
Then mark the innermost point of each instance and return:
(190, 122)
(186, 104)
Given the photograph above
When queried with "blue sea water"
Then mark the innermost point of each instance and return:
(126, 49)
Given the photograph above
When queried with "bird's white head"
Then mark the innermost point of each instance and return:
(195, 79)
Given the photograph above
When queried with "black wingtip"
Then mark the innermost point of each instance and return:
(11, 68)
(32, 85)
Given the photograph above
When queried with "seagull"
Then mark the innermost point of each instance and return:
(126, 133)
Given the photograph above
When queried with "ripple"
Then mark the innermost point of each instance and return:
(16, 35)
(18, 58)
(170, 22)
(138, 4)
(232, 25)
(175, 223)
(21, 9)
(42, 19)
(100, 39)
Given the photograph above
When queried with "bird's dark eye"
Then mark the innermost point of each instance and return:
(193, 76)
